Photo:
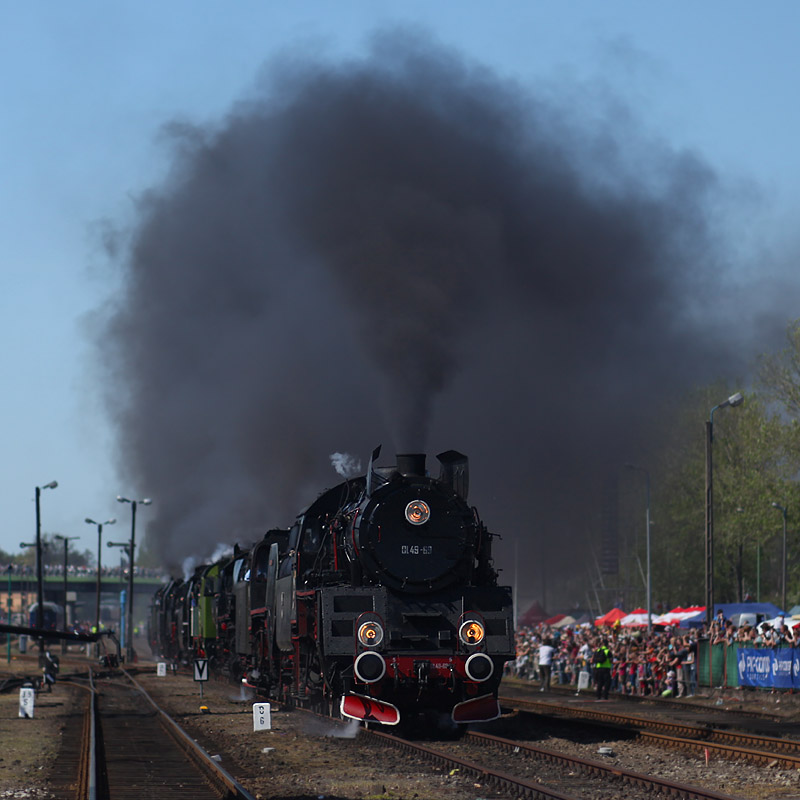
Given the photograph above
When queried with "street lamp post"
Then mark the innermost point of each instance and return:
(90, 521)
(733, 400)
(9, 570)
(66, 540)
(782, 509)
(647, 524)
(39, 578)
(125, 547)
(131, 556)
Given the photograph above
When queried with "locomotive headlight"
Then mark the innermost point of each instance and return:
(418, 512)
(471, 632)
(370, 634)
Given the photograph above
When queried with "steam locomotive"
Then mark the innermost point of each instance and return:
(381, 600)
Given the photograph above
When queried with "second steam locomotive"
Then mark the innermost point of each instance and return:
(381, 600)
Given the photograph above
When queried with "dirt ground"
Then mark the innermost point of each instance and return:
(301, 756)
(298, 758)
(30, 747)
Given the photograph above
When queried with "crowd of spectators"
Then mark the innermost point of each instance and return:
(764, 635)
(29, 570)
(661, 663)
(664, 662)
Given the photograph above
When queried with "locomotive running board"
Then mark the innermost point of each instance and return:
(357, 706)
(479, 709)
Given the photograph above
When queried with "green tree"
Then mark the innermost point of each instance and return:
(755, 464)
(780, 383)
(780, 373)
(755, 459)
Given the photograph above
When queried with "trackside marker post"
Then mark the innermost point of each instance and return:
(27, 701)
(262, 720)
(201, 672)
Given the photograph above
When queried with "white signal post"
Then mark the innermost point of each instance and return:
(201, 672)
(27, 702)
(262, 719)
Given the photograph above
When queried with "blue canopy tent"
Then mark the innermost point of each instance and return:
(761, 611)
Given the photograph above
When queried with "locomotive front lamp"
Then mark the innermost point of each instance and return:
(418, 512)
(370, 634)
(471, 632)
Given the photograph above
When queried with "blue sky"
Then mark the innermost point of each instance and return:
(87, 85)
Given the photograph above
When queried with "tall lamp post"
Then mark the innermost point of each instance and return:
(66, 540)
(782, 509)
(90, 521)
(125, 548)
(131, 557)
(9, 570)
(647, 524)
(39, 579)
(734, 400)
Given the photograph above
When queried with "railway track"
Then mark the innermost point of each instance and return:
(140, 752)
(703, 738)
(566, 777)
(568, 692)
(129, 748)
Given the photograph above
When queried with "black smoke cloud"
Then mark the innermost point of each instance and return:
(410, 250)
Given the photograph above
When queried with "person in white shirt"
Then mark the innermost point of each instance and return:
(546, 651)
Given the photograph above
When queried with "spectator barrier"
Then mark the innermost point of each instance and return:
(776, 667)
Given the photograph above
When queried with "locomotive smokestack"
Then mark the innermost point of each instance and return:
(455, 471)
(411, 463)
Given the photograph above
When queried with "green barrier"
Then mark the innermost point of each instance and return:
(711, 661)
(721, 662)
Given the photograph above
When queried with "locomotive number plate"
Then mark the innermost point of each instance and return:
(416, 549)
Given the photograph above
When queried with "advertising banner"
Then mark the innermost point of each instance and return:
(779, 669)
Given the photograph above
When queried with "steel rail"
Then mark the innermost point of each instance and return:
(629, 777)
(220, 777)
(525, 788)
(728, 744)
(521, 787)
(522, 685)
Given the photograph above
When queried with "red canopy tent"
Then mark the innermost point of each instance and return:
(555, 619)
(533, 616)
(636, 619)
(610, 617)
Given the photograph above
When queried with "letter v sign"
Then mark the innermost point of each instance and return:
(201, 669)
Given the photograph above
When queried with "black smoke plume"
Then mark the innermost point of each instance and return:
(406, 249)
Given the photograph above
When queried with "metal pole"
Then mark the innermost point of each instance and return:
(649, 586)
(783, 584)
(649, 574)
(782, 509)
(39, 579)
(99, 585)
(516, 585)
(8, 635)
(709, 523)
(131, 561)
(64, 641)
(130, 583)
(758, 572)
(734, 400)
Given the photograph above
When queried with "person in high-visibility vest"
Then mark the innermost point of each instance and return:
(602, 662)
